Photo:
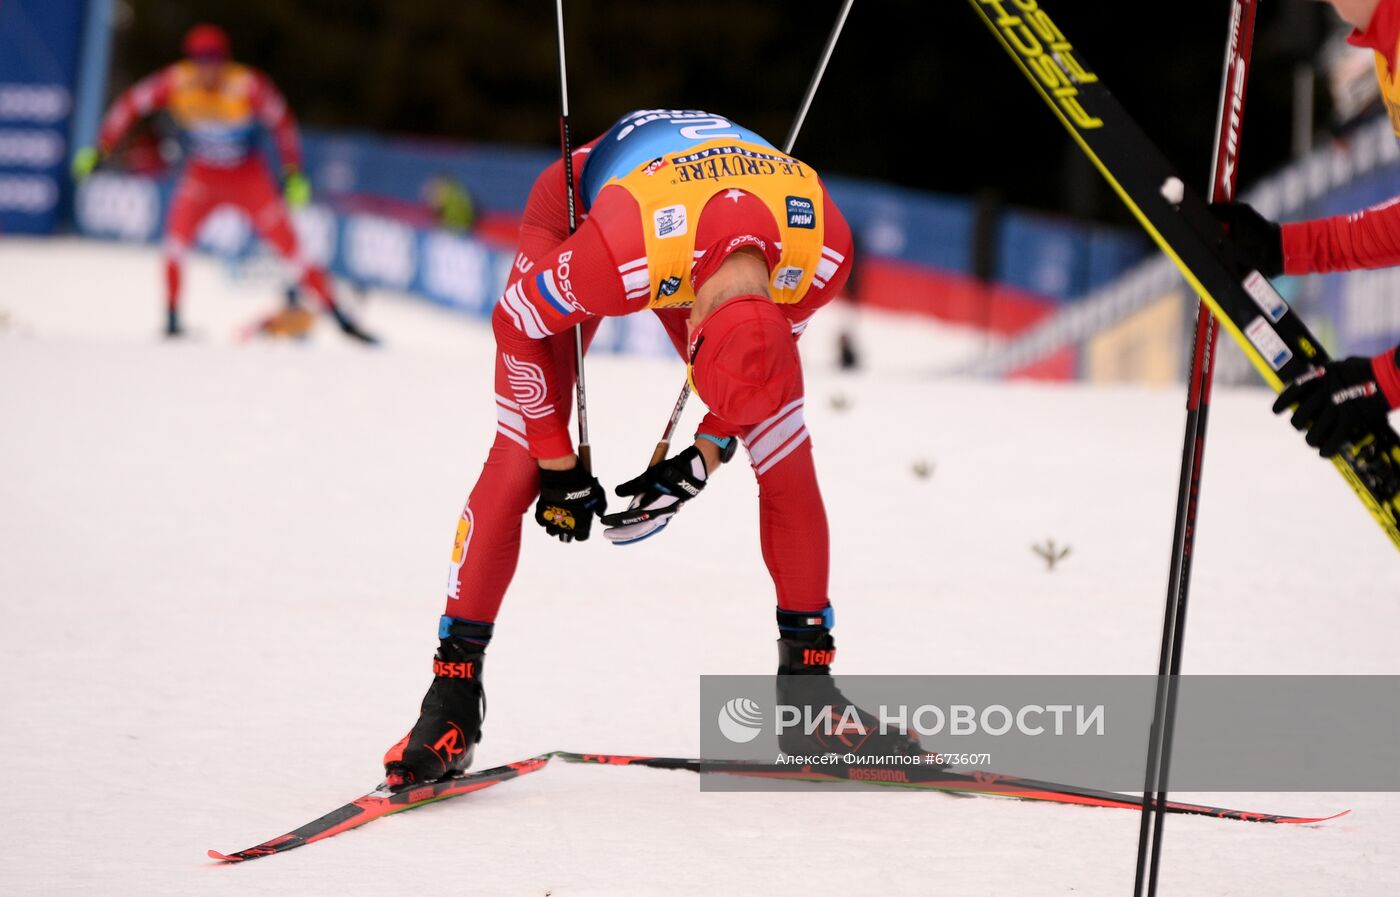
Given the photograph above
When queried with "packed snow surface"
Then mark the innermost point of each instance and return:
(222, 564)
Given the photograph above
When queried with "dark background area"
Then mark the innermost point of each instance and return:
(918, 93)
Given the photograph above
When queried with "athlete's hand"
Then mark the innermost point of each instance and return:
(569, 499)
(1338, 403)
(296, 189)
(658, 495)
(84, 161)
(1256, 241)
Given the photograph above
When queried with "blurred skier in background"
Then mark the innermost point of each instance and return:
(1347, 398)
(220, 107)
(734, 245)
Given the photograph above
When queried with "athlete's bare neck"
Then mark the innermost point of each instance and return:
(1356, 13)
(743, 273)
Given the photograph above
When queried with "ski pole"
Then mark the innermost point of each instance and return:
(664, 445)
(1223, 171)
(585, 451)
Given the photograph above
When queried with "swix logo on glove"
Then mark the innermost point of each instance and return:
(575, 496)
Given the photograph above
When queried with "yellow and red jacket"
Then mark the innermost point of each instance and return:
(220, 126)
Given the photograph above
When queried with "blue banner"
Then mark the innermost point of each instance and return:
(377, 223)
(1054, 257)
(39, 49)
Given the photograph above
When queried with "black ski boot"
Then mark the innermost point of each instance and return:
(172, 324)
(806, 651)
(443, 741)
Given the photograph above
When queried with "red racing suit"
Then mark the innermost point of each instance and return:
(220, 128)
(620, 262)
(1369, 238)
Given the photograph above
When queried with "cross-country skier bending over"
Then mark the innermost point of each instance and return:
(1350, 397)
(733, 245)
(220, 107)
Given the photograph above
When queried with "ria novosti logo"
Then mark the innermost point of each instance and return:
(740, 720)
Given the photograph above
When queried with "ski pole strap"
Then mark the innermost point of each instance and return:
(805, 620)
(473, 631)
(727, 445)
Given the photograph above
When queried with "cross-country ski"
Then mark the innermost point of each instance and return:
(651, 448)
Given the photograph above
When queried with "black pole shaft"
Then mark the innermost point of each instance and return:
(817, 75)
(1224, 167)
(585, 450)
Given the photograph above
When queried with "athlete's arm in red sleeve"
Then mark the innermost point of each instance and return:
(573, 282)
(137, 101)
(545, 222)
(1366, 239)
(271, 109)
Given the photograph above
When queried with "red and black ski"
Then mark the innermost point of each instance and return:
(383, 802)
(927, 778)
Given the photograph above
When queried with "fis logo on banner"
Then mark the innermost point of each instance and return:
(669, 222)
(668, 287)
(656, 165)
(801, 212)
(787, 278)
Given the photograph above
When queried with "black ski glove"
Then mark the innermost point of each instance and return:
(568, 501)
(1257, 242)
(1338, 403)
(659, 494)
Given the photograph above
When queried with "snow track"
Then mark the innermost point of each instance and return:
(221, 568)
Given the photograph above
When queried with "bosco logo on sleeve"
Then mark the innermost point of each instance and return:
(669, 221)
(801, 212)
